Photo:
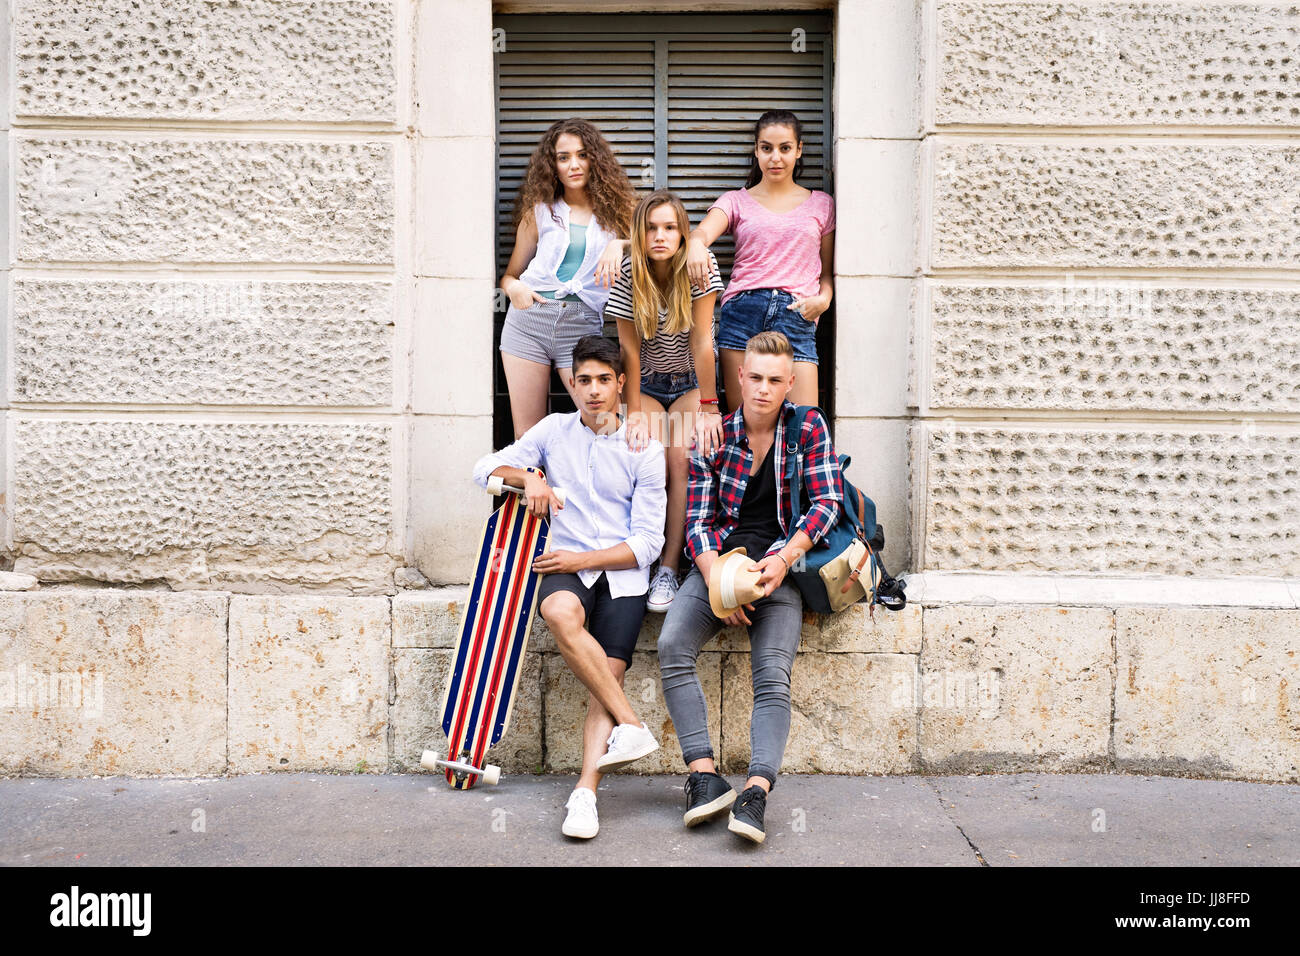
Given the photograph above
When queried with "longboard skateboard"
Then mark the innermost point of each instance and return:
(493, 637)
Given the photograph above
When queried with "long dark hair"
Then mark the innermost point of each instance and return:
(775, 118)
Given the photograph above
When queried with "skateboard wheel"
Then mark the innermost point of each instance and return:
(491, 774)
(559, 493)
(494, 484)
(429, 761)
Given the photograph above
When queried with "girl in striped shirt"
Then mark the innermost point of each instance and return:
(665, 329)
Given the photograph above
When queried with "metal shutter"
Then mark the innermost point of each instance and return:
(676, 94)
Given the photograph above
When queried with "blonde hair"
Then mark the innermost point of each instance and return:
(770, 343)
(647, 295)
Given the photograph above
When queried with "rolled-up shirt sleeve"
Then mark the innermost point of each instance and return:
(528, 451)
(821, 482)
(649, 503)
(701, 507)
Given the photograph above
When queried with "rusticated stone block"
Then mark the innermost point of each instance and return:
(1225, 503)
(243, 504)
(420, 680)
(1222, 64)
(1208, 692)
(1013, 688)
(1115, 344)
(1172, 205)
(848, 714)
(112, 682)
(309, 683)
(242, 60)
(566, 709)
(88, 199)
(203, 341)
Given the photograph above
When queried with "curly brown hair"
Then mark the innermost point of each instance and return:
(608, 187)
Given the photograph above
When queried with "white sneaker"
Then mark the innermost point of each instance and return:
(582, 821)
(662, 591)
(628, 743)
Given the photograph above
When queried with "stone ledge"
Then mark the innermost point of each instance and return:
(334, 683)
(937, 588)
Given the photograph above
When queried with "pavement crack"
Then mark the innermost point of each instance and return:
(969, 842)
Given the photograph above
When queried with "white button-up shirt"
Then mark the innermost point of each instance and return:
(612, 494)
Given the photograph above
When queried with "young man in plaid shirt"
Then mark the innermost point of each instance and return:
(738, 497)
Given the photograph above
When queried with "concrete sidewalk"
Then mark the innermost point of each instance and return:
(310, 819)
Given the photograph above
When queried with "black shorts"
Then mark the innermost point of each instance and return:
(613, 622)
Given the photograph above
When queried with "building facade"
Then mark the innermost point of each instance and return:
(249, 362)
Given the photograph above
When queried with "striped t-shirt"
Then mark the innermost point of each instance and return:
(664, 352)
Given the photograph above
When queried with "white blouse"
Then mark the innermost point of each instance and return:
(553, 243)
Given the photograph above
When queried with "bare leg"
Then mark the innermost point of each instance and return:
(566, 376)
(528, 383)
(804, 391)
(595, 731)
(566, 617)
(731, 360)
(681, 421)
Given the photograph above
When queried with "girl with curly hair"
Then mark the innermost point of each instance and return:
(665, 328)
(781, 278)
(572, 218)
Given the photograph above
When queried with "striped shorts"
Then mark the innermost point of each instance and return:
(546, 332)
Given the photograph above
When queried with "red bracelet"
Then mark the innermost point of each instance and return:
(708, 401)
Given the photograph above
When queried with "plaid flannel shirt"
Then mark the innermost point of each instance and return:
(717, 484)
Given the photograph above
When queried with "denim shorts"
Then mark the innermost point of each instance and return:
(747, 313)
(667, 387)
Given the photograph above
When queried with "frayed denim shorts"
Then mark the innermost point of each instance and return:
(747, 313)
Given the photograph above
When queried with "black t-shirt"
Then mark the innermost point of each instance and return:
(760, 524)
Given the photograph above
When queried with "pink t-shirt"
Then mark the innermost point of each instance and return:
(777, 250)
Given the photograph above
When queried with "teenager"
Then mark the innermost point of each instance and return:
(572, 216)
(602, 542)
(781, 279)
(738, 498)
(665, 328)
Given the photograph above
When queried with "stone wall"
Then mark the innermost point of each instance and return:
(209, 304)
(1106, 323)
(147, 683)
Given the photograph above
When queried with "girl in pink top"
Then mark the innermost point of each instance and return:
(785, 238)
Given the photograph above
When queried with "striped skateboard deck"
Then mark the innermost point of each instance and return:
(493, 637)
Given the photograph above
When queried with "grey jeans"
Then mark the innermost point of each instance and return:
(773, 640)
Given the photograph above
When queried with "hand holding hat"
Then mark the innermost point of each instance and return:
(733, 582)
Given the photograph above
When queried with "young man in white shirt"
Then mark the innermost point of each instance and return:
(602, 542)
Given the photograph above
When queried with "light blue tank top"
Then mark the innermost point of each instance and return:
(573, 257)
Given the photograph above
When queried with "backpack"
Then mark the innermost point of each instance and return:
(844, 567)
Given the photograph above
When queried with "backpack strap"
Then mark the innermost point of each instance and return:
(794, 458)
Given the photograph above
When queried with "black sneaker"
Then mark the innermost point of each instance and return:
(708, 795)
(747, 815)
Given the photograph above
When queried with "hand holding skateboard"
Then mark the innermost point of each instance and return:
(540, 496)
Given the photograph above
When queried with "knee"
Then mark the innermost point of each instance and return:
(771, 681)
(564, 615)
(675, 649)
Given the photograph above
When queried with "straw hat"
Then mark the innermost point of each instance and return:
(733, 581)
